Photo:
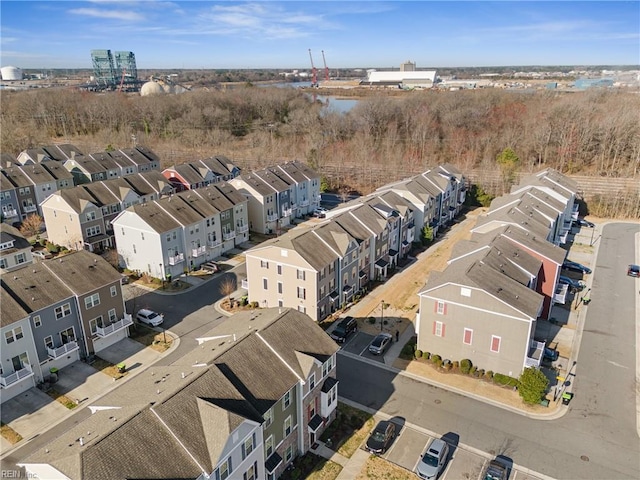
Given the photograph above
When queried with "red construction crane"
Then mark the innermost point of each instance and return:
(314, 73)
(326, 70)
(124, 72)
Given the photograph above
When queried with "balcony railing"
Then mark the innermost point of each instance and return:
(272, 217)
(294, 206)
(304, 203)
(176, 259)
(229, 235)
(65, 349)
(29, 208)
(560, 295)
(15, 377)
(287, 212)
(242, 228)
(115, 326)
(245, 284)
(213, 243)
(10, 213)
(534, 357)
(196, 252)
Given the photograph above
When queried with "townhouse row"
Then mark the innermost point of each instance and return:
(257, 393)
(485, 306)
(319, 268)
(29, 179)
(55, 312)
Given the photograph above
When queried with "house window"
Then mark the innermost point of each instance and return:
(264, 264)
(112, 315)
(287, 427)
(168, 237)
(441, 308)
(63, 311)
(20, 258)
(468, 336)
(302, 293)
(300, 274)
(247, 446)
(279, 287)
(114, 291)
(67, 336)
(495, 344)
(225, 470)
(268, 417)
(94, 323)
(91, 216)
(280, 303)
(302, 309)
(142, 235)
(327, 367)
(268, 446)
(288, 454)
(95, 230)
(48, 341)
(3, 263)
(312, 381)
(265, 284)
(37, 321)
(287, 400)
(13, 335)
(438, 329)
(252, 472)
(279, 269)
(92, 301)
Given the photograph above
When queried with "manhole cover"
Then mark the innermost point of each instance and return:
(584, 458)
(437, 402)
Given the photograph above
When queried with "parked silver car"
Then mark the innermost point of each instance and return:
(380, 343)
(433, 461)
(149, 317)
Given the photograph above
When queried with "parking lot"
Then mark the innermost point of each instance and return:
(462, 462)
(358, 344)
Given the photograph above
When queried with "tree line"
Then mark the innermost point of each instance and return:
(583, 133)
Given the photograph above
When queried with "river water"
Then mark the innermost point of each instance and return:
(331, 102)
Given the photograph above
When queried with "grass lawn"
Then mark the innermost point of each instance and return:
(150, 338)
(58, 397)
(347, 432)
(9, 434)
(312, 466)
(377, 468)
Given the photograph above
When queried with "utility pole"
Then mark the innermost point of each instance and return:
(381, 314)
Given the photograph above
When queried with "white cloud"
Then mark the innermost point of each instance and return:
(125, 15)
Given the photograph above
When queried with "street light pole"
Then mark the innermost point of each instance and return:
(381, 314)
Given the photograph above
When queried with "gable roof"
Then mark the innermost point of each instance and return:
(62, 151)
(58, 171)
(37, 173)
(82, 271)
(17, 177)
(35, 287)
(11, 310)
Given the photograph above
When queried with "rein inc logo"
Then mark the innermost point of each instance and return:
(15, 474)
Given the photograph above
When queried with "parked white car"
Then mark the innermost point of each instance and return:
(149, 317)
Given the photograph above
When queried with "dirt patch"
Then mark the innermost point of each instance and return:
(64, 400)
(312, 466)
(159, 342)
(9, 434)
(347, 432)
(107, 368)
(377, 468)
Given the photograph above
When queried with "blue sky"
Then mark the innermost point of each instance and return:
(278, 34)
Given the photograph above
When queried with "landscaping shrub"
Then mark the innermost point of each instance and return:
(426, 355)
(505, 380)
(436, 358)
(407, 351)
(448, 366)
(480, 372)
(418, 353)
(372, 320)
(465, 366)
(489, 375)
(254, 304)
(456, 365)
(52, 247)
(532, 385)
(473, 370)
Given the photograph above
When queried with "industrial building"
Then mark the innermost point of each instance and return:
(406, 77)
(11, 73)
(114, 70)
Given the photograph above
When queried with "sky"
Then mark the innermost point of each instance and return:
(279, 34)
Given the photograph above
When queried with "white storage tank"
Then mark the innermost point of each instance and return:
(11, 73)
(151, 88)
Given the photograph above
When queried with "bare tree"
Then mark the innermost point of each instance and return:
(227, 287)
(32, 225)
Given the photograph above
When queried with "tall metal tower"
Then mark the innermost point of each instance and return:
(103, 68)
(126, 66)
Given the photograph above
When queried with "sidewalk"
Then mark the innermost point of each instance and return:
(33, 412)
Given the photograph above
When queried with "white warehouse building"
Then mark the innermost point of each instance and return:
(424, 78)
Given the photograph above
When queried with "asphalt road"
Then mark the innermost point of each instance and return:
(596, 439)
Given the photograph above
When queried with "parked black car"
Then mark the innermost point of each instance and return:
(575, 267)
(381, 437)
(346, 327)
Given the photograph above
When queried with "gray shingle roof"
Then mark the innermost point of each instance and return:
(37, 173)
(82, 271)
(179, 210)
(105, 160)
(150, 182)
(58, 171)
(35, 287)
(10, 310)
(62, 151)
(155, 217)
(17, 177)
(89, 165)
